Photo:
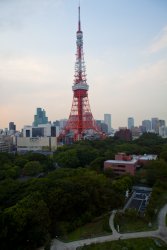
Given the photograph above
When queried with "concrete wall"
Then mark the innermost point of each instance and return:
(36, 143)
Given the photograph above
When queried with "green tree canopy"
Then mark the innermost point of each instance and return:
(163, 155)
(156, 171)
(26, 224)
(32, 168)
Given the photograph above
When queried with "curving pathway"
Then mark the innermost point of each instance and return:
(161, 233)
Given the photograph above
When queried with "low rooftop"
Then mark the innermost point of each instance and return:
(133, 161)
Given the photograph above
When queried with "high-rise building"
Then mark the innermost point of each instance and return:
(40, 117)
(161, 123)
(107, 120)
(155, 124)
(12, 126)
(56, 123)
(130, 122)
(62, 123)
(163, 131)
(146, 125)
(102, 126)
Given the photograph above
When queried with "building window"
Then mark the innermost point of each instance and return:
(27, 133)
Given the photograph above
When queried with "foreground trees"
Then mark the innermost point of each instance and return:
(72, 191)
(55, 205)
(26, 224)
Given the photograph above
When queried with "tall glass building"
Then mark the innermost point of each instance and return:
(130, 122)
(40, 117)
(107, 120)
(146, 125)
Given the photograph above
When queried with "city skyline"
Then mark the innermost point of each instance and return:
(125, 46)
(151, 124)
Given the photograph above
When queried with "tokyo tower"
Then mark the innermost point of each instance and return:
(81, 123)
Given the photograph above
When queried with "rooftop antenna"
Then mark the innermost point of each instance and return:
(79, 22)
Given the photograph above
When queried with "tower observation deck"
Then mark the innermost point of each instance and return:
(81, 123)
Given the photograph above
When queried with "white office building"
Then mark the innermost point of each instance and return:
(36, 144)
(38, 138)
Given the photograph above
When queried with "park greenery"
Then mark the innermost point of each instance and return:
(44, 196)
(97, 227)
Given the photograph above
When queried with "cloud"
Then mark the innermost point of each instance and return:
(25, 77)
(140, 92)
(14, 15)
(20, 69)
(28, 82)
(143, 90)
(159, 42)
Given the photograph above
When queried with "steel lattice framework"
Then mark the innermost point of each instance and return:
(80, 119)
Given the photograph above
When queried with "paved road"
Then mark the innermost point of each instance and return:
(161, 233)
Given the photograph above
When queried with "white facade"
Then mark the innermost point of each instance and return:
(27, 128)
(47, 129)
(57, 130)
(36, 144)
(40, 138)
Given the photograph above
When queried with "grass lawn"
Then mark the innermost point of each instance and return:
(137, 224)
(132, 244)
(98, 227)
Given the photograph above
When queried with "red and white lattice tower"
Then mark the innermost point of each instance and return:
(81, 121)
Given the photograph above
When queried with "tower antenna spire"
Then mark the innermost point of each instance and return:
(79, 21)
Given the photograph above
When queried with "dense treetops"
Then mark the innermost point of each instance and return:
(44, 196)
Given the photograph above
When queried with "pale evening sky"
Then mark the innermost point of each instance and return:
(125, 50)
